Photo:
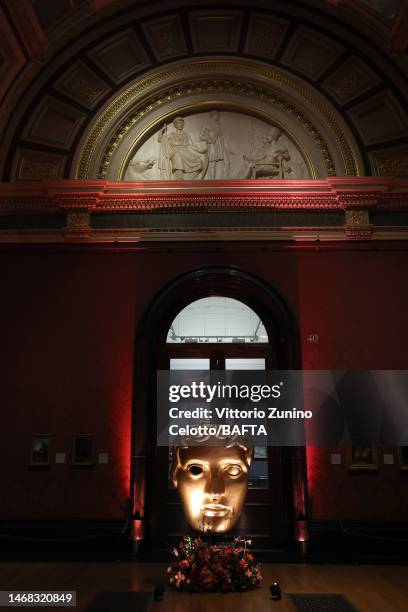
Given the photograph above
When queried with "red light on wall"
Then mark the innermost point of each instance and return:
(136, 530)
(301, 531)
(313, 465)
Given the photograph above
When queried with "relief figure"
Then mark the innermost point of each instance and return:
(179, 157)
(137, 169)
(267, 161)
(218, 148)
(217, 145)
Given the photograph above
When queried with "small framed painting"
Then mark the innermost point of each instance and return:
(403, 458)
(83, 451)
(40, 450)
(362, 458)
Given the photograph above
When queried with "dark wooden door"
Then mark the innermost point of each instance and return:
(265, 517)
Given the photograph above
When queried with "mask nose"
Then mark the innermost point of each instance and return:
(215, 485)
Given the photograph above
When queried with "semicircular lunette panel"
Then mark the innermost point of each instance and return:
(217, 145)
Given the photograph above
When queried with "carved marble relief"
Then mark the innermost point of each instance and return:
(217, 145)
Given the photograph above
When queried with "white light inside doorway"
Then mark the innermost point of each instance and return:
(187, 363)
(245, 363)
(217, 320)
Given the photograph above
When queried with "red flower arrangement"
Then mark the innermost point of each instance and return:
(203, 565)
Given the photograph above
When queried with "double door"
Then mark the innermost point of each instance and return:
(265, 516)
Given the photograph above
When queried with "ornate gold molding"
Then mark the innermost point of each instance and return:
(357, 226)
(78, 220)
(394, 165)
(78, 225)
(200, 106)
(183, 73)
(357, 217)
(80, 86)
(216, 87)
(40, 170)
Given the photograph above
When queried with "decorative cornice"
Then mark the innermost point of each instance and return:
(124, 237)
(333, 194)
(79, 201)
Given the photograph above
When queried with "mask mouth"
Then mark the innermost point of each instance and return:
(215, 510)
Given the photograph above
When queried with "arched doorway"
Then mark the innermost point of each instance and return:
(213, 318)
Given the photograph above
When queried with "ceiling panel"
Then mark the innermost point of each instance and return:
(215, 31)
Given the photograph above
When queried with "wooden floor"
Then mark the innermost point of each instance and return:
(368, 588)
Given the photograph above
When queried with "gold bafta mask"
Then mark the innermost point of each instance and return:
(212, 482)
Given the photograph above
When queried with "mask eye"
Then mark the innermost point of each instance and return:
(195, 470)
(233, 470)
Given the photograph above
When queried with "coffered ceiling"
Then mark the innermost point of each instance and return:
(65, 63)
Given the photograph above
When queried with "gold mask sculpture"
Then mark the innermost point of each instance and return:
(212, 482)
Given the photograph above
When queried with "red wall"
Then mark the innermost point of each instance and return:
(68, 323)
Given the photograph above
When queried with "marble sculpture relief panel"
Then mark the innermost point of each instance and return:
(217, 145)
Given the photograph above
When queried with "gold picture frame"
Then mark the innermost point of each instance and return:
(362, 458)
(40, 450)
(83, 450)
(403, 458)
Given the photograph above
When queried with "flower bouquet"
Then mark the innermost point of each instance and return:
(204, 565)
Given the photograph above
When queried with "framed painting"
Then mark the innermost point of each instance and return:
(40, 450)
(83, 450)
(362, 458)
(403, 458)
